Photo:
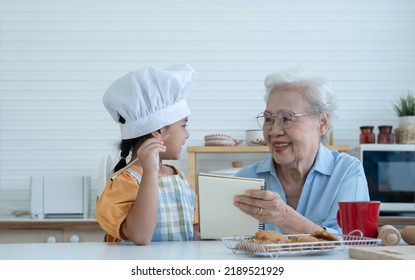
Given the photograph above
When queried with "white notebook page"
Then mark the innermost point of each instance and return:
(218, 217)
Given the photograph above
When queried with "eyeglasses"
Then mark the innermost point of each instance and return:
(285, 119)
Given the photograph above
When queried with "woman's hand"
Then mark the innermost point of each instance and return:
(264, 205)
(274, 211)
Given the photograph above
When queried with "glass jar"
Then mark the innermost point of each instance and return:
(385, 135)
(366, 135)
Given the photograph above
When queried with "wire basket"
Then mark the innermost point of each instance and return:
(245, 244)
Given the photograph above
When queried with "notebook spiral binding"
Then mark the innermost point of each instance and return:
(261, 226)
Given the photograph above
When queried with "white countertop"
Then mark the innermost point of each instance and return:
(192, 250)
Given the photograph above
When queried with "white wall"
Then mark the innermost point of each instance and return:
(58, 57)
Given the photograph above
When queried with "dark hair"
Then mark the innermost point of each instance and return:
(127, 145)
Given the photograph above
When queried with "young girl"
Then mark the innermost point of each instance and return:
(150, 201)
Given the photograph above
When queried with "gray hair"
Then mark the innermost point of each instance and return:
(317, 91)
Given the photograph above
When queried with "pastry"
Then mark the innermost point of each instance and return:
(262, 237)
(324, 235)
(319, 240)
(269, 237)
(302, 239)
(326, 238)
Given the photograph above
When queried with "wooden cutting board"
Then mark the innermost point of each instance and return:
(383, 253)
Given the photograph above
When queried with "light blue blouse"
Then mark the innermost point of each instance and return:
(334, 177)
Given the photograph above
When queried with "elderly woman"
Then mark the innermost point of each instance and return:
(304, 181)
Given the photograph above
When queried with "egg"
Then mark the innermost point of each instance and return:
(408, 234)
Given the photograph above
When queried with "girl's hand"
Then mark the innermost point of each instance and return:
(274, 210)
(148, 154)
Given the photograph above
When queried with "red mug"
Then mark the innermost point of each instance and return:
(354, 217)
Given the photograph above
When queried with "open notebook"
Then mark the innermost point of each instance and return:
(218, 217)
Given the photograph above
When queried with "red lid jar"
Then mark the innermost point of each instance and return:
(366, 135)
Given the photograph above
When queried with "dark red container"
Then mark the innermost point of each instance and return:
(385, 135)
(366, 135)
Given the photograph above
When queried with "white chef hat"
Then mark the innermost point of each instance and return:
(149, 98)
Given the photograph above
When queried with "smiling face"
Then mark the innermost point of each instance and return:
(297, 146)
(174, 143)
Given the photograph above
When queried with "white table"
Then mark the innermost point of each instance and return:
(192, 250)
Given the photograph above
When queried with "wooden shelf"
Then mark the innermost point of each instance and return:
(227, 149)
(247, 149)
(194, 150)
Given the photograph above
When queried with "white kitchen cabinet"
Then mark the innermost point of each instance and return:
(30, 236)
(50, 231)
(83, 235)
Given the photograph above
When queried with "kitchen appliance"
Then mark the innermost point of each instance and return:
(60, 197)
(390, 173)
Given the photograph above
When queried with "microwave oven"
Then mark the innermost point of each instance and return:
(60, 196)
(390, 174)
